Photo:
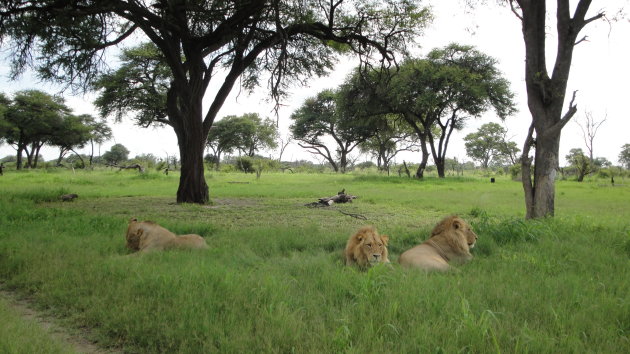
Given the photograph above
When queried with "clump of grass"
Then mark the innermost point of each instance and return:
(509, 230)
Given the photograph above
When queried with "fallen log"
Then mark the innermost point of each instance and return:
(341, 197)
(134, 166)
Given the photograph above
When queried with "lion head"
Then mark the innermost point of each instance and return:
(457, 233)
(134, 232)
(366, 248)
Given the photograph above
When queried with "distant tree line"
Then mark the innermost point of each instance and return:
(32, 118)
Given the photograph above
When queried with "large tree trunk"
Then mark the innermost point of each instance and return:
(18, 158)
(185, 113)
(192, 182)
(545, 96)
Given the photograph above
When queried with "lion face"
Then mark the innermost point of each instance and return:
(470, 236)
(133, 235)
(373, 246)
(367, 248)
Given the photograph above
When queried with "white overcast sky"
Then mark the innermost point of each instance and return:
(600, 73)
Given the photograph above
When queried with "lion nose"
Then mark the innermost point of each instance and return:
(376, 256)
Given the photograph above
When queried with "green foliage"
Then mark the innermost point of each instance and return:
(248, 133)
(32, 119)
(580, 163)
(117, 154)
(138, 87)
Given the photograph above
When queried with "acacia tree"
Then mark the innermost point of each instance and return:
(321, 117)
(289, 40)
(546, 94)
(436, 94)
(117, 154)
(467, 84)
(247, 133)
(580, 162)
(488, 144)
(100, 132)
(74, 132)
(31, 120)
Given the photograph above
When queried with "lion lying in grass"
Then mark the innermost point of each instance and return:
(366, 248)
(450, 241)
(148, 236)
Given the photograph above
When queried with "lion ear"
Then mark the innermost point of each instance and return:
(457, 224)
(385, 239)
(133, 220)
(359, 236)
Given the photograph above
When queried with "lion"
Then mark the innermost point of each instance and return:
(148, 236)
(366, 248)
(450, 241)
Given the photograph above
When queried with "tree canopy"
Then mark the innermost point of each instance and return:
(321, 118)
(254, 40)
(248, 133)
(489, 144)
(436, 94)
(33, 118)
(117, 153)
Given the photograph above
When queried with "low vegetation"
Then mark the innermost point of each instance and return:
(274, 278)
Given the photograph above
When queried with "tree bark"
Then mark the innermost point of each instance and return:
(545, 169)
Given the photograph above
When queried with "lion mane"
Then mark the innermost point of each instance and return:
(366, 248)
(148, 236)
(450, 241)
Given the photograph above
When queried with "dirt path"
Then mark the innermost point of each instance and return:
(74, 338)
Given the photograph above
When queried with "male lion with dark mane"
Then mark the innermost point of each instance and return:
(366, 248)
(148, 236)
(450, 241)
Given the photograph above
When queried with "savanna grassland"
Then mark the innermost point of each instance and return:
(274, 280)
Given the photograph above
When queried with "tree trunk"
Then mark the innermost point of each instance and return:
(18, 159)
(192, 182)
(545, 169)
(439, 164)
(185, 113)
(425, 157)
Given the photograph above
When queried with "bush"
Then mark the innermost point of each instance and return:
(245, 164)
(515, 172)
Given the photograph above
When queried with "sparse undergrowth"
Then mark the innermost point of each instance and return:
(274, 280)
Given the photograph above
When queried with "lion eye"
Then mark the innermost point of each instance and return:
(369, 245)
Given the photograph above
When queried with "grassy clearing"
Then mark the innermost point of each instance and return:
(274, 281)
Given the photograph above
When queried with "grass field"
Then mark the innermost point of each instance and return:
(274, 281)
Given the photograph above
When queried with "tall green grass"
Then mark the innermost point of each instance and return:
(274, 280)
